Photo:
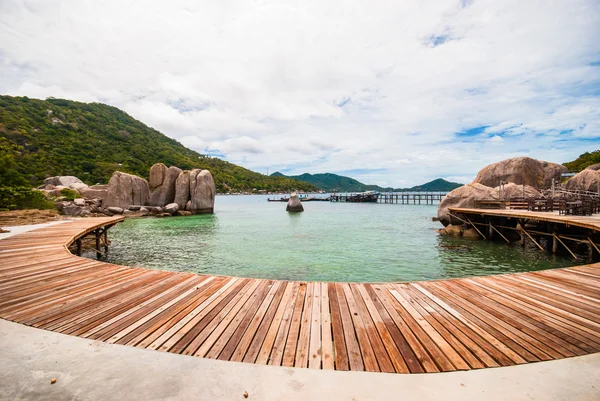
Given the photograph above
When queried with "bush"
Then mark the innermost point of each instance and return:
(12, 198)
(69, 194)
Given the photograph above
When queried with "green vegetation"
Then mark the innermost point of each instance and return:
(69, 194)
(583, 161)
(44, 138)
(15, 191)
(338, 183)
(438, 185)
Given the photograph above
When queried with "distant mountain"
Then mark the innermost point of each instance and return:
(438, 185)
(338, 183)
(42, 138)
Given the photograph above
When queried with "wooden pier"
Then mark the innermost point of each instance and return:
(430, 326)
(406, 198)
(400, 198)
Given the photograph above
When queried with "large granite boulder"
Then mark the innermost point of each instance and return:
(157, 175)
(464, 196)
(79, 187)
(587, 180)
(182, 189)
(294, 204)
(125, 190)
(594, 167)
(164, 193)
(512, 190)
(202, 192)
(521, 170)
(95, 192)
(63, 180)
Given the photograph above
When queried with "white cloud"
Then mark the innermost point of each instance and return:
(380, 88)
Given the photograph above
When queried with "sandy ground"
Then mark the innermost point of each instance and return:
(28, 217)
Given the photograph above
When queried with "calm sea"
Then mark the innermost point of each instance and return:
(250, 237)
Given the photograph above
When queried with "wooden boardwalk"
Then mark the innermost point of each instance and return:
(433, 326)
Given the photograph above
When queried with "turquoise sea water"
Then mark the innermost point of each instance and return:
(250, 237)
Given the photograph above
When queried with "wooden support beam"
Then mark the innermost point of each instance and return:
(78, 242)
(563, 244)
(457, 218)
(98, 235)
(594, 245)
(531, 238)
(475, 227)
(495, 229)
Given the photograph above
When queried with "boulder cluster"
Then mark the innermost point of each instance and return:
(522, 177)
(170, 191)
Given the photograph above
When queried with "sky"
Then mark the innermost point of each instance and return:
(394, 93)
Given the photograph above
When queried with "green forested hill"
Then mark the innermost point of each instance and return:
(332, 182)
(438, 185)
(338, 183)
(584, 160)
(43, 138)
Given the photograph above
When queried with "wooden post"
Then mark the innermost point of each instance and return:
(563, 244)
(78, 242)
(475, 227)
(502, 235)
(105, 233)
(554, 243)
(98, 234)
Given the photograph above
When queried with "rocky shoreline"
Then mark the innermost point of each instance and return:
(170, 192)
(518, 177)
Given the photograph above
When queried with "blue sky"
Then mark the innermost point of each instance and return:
(390, 93)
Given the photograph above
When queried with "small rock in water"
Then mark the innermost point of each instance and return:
(245, 394)
(53, 380)
(294, 204)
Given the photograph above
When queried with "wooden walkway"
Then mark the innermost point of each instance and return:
(433, 326)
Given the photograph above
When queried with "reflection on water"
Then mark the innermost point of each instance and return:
(249, 237)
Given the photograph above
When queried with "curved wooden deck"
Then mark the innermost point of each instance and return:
(433, 326)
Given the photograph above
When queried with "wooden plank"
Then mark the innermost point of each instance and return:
(339, 343)
(483, 350)
(404, 299)
(315, 350)
(261, 332)
(301, 360)
(268, 344)
(281, 338)
(355, 359)
(243, 335)
(487, 323)
(289, 354)
(197, 346)
(228, 323)
(392, 350)
(165, 340)
(191, 330)
(379, 350)
(408, 356)
(326, 333)
(366, 349)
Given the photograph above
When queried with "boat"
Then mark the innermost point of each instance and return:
(361, 197)
(302, 199)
